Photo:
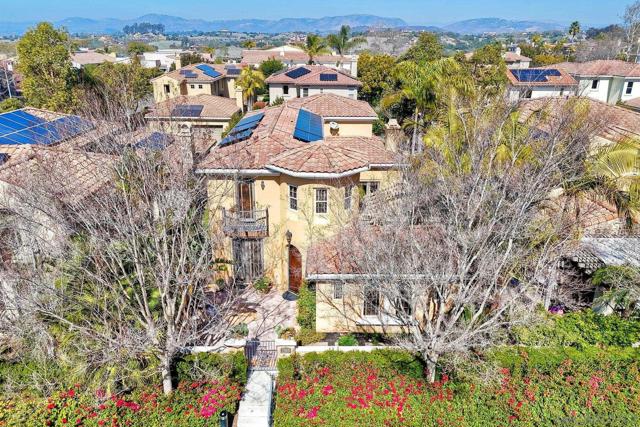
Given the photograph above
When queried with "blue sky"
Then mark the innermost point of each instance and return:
(413, 11)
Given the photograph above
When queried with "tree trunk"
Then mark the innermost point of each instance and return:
(432, 362)
(167, 383)
(414, 139)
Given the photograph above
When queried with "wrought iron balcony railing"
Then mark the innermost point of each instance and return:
(253, 223)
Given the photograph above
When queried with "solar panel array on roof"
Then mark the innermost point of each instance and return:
(535, 75)
(243, 130)
(208, 70)
(187, 110)
(328, 77)
(308, 127)
(297, 73)
(20, 127)
(155, 141)
(189, 74)
(234, 71)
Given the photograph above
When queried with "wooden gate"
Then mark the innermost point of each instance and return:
(261, 355)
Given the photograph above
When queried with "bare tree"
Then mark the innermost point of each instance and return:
(125, 254)
(464, 248)
(631, 21)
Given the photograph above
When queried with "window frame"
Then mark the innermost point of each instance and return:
(318, 202)
(293, 198)
(368, 305)
(629, 89)
(305, 92)
(595, 84)
(285, 89)
(348, 197)
(338, 290)
(248, 259)
(192, 86)
(167, 88)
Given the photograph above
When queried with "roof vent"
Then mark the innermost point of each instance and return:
(334, 128)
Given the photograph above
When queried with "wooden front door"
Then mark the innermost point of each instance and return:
(295, 269)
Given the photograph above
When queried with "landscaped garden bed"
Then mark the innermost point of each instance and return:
(543, 387)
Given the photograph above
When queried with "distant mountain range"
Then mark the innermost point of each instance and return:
(174, 24)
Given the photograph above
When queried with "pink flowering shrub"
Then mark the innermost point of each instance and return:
(329, 389)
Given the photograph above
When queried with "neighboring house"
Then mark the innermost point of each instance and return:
(9, 80)
(206, 115)
(610, 81)
(539, 83)
(309, 80)
(513, 58)
(162, 58)
(291, 174)
(199, 79)
(83, 58)
(293, 56)
(611, 123)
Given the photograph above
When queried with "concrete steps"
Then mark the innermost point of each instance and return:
(256, 402)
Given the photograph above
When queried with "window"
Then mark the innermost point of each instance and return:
(167, 89)
(528, 94)
(322, 202)
(371, 301)
(245, 199)
(293, 197)
(629, 88)
(366, 188)
(595, 84)
(404, 303)
(247, 259)
(305, 92)
(193, 86)
(285, 90)
(348, 192)
(561, 91)
(338, 290)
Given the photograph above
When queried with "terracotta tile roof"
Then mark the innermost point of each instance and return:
(332, 105)
(255, 57)
(633, 103)
(600, 67)
(515, 57)
(564, 79)
(313, 78)
(272, 145)
(214, 106)
(201, 76)
(597, 252)
(613, 123)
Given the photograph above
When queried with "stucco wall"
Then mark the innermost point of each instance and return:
(276, 91)
(599, 94)
(159, 94)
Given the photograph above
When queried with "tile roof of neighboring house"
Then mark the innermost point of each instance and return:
(600, 67)
(255, 57)
(75, 174)
(213, 107)
(515, 57)
(564, 79)
(91, 57)
(332, 105)
(633, 103)
(201, 77)
(614, 123)
(313, 77)
(597, 252)
(273, 147)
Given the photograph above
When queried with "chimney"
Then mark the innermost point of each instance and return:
(393, 135)
(186, 145)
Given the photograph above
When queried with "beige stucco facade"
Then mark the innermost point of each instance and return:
(200, 128)
(166, 87)
(277, 90)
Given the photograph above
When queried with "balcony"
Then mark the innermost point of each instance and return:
(245, 224)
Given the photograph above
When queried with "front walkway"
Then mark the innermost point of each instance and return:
(255, 405)
(271, 310)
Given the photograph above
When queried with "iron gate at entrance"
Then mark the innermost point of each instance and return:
(261, 355)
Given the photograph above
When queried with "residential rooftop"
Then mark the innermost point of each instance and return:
(313, 75)
(257, 56)
(203, 106)
(203, 73)
(600, 68)
(536, 77)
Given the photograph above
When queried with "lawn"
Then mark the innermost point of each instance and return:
(544, 387)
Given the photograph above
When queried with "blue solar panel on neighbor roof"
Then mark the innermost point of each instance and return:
(308, 127)
(208, 70)
(155, 141)
(297, 73)
(233, 71)
(189, 74)
(17, 120)
(243, 130)
(530, 75)
(187, 110)
(46, 133)
(328, 77)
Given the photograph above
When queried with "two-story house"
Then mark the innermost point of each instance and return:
(289, 175)
(308, 80)
(609, 81)
(293, 56)
(530, 83)
(199, 79)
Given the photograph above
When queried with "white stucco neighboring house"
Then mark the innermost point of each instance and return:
(309, 80)
(293, 56)
(534, 83)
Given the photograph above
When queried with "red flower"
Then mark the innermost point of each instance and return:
(313, 412)
(168, 409)
(327, 390)
(51, 405)
(71, 393)
(64, 421)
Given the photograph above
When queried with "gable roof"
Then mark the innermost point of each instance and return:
(214, 107)
(563, 79)
(91, 57)
(314, 77)
(614, 123)
(272, 148)
(201, 77)
(511, 57)
(257, 56)
(598, 252)
(601, 68)
(330, 105)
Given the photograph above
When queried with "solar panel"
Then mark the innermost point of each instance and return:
(208, 70)
(42, 132)
(155, 141)
(328, 77)
(234, 71)
(17, 120)
(187, 110)
(308, 127)
(297, 73)
(535, 75)
(243, 130)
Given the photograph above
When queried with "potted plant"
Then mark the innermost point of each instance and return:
(263, 285)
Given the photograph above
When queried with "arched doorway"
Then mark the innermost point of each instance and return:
(295, 269)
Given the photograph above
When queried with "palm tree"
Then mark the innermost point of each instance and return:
(343, 42)
(574, 30)
(251, 81)
(314, 46)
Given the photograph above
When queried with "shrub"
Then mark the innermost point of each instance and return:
(262, 285)
(306, 308)
(347, 341)
(207, 366)
(309, 336)
(258, 105)
(240, 330)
